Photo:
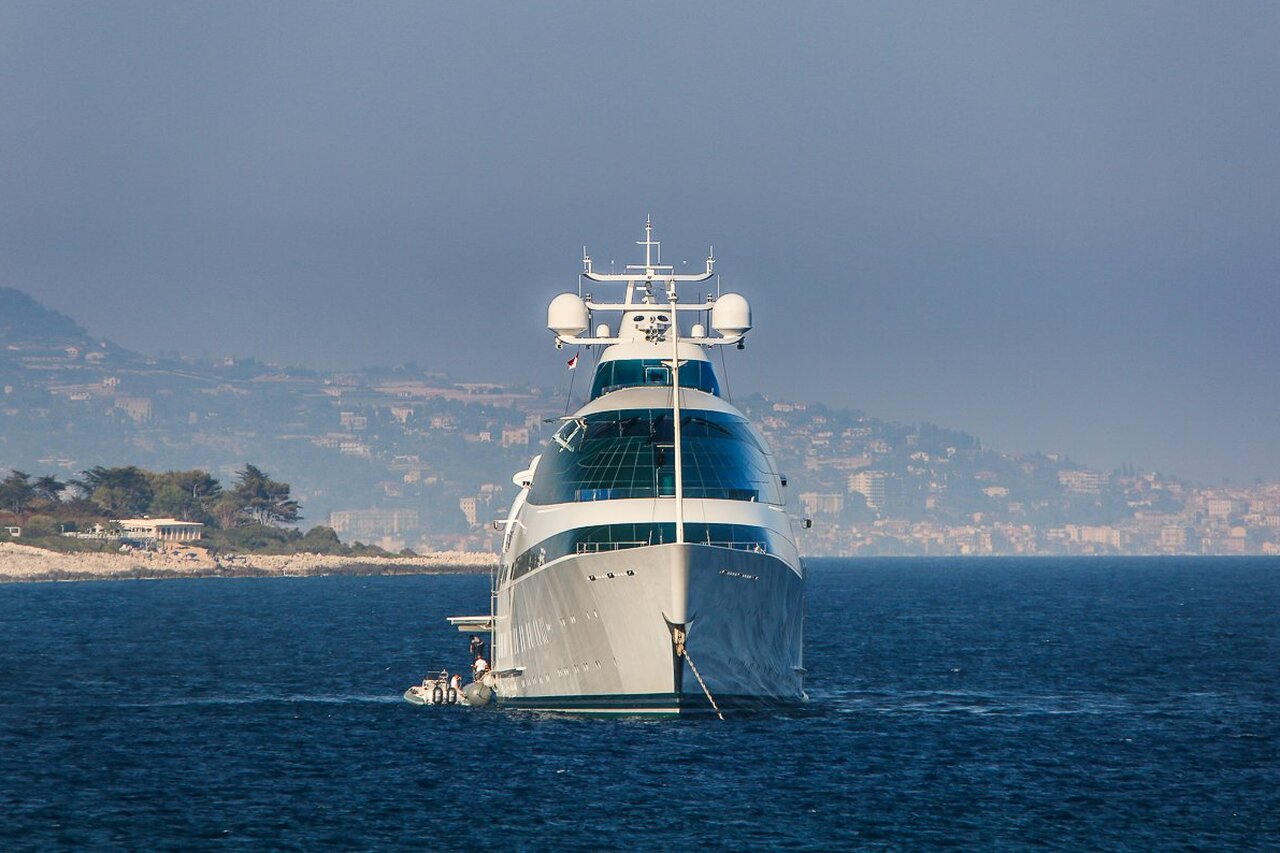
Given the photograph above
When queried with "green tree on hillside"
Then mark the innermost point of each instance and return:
(38, 526)
(225, 511)
(16, 492)
(49, 489)
(119, 492)
(321, 540)
(186, 495)
(262, 500)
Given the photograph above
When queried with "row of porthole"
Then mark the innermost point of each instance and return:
(571, 619)
(611, 575)
(563, 671)
(577, 667)
(745, 577)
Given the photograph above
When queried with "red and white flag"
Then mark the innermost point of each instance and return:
(573, 362)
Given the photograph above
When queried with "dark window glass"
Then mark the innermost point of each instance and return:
(616, 537)
(631, 454)
(628, 373)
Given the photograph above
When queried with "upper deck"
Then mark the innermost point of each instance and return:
(642, 364)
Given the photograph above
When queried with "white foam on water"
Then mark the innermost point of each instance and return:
(281, 698)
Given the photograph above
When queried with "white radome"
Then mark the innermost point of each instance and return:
(731, 315)
(567, 315)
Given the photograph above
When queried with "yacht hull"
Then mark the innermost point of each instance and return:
(594, 632)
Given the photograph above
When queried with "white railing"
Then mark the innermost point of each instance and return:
(597, 547)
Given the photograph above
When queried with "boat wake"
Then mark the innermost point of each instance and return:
(271, 698)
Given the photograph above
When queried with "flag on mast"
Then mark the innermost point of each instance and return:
(573, 362)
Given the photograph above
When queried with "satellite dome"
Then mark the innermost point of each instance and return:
(731, 315)
(567, 315)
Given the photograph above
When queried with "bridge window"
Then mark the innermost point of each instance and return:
(630, 372)
(631, 454)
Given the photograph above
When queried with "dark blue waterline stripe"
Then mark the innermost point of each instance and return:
(684, 703)
(601, 702)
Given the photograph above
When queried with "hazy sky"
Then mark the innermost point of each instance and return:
(1056, 226)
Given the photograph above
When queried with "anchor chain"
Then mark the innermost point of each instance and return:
(679, 634)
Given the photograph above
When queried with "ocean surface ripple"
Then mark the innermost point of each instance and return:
(1111, 704)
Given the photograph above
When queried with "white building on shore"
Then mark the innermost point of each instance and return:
(161, 529)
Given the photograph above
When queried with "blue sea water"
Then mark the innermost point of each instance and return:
(1107, 704)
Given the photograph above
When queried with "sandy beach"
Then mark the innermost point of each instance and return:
(23, 563)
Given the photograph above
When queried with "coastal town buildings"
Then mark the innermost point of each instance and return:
(369, 525)
(407, 455)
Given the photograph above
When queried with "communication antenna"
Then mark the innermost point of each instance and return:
(648, 244)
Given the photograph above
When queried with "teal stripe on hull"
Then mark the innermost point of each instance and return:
(638, 704)
(624, 703)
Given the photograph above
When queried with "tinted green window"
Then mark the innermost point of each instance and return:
(617, 537)
(628, 373)
(631, 454)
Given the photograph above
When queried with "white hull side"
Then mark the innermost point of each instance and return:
(567, 642)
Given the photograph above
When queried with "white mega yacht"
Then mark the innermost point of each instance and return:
(649, 565)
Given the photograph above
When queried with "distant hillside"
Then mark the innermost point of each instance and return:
(24, 320)
(29, 330)
(403, 457)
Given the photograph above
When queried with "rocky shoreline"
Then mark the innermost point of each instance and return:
(23, 563)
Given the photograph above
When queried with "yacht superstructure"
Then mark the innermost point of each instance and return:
(649, 564)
